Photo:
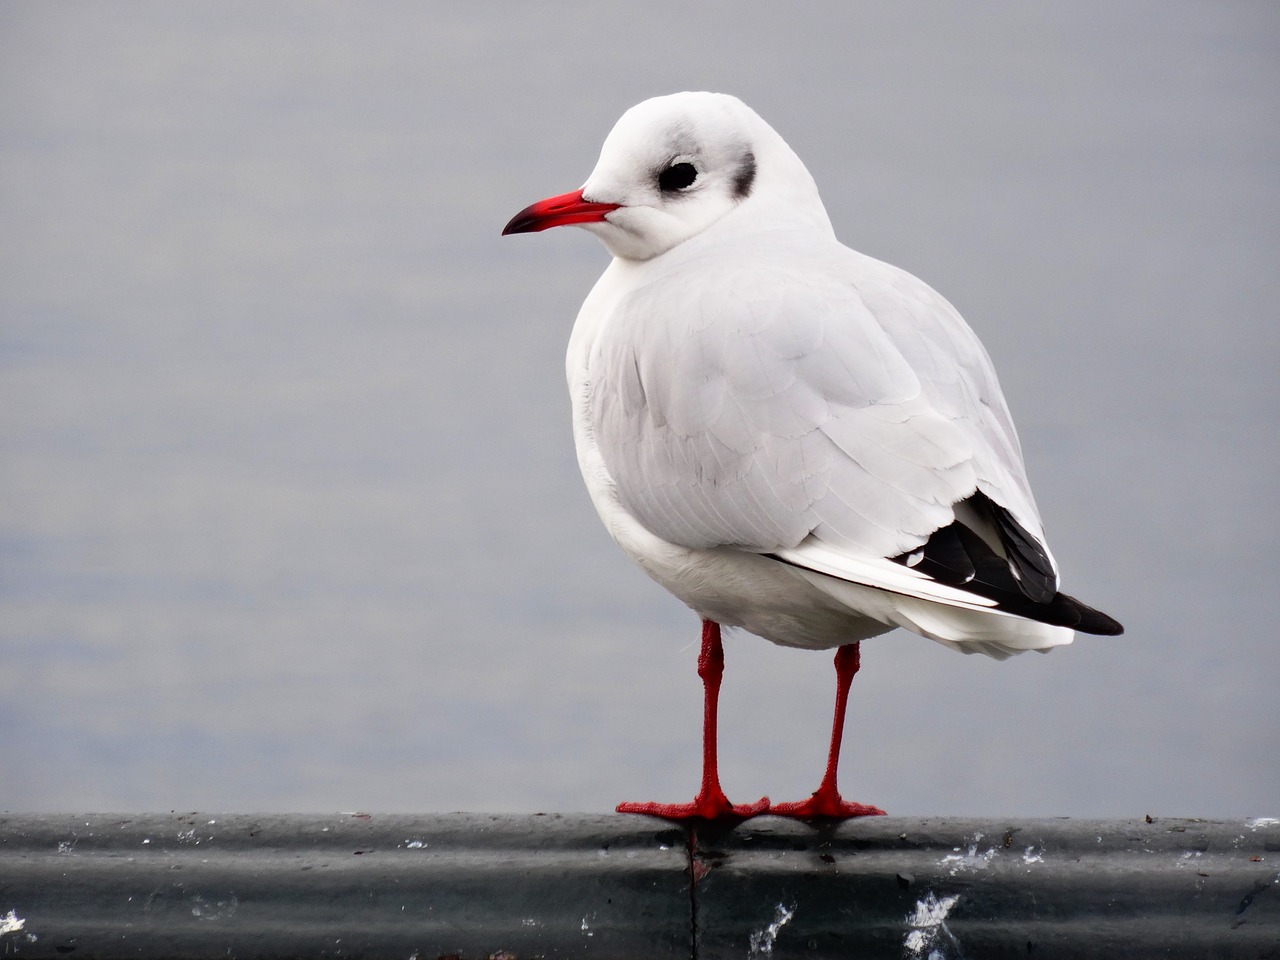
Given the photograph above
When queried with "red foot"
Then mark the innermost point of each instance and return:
(825, 803)
(706, 807)
(710, 803)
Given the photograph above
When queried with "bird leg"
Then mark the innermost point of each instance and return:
(710, 803)
(826, 800)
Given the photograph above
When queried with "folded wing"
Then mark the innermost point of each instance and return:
(832, 411)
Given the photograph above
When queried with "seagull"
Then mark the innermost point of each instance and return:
(793, 438)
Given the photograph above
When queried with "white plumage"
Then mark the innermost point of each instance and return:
(791, 437)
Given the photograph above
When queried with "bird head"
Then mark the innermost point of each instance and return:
(674, 166)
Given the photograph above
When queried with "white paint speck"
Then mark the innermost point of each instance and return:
(415, 844)
(1030, 856)
(762, 940)
(968, 859)
(927, 928)
(66, 846)
(1257, 822)
(586, 927)
(11, 923)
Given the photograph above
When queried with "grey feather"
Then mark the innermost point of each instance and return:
(753, 404)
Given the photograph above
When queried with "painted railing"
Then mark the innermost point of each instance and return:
(606, 886)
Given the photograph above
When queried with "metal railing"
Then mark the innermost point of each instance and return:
(477, 886)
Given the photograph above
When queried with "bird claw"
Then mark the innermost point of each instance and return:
(825, 803)
(703, 807)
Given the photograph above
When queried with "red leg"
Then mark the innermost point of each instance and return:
(826, 800)
(710, 803)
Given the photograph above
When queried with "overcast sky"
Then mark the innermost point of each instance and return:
(289, 513)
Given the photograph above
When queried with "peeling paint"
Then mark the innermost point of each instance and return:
(929, 929)
(968, 859)
(11, 923)
(762, 940)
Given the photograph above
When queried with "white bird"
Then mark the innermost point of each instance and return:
(791, 437)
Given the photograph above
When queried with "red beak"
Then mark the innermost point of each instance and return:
(556, 212)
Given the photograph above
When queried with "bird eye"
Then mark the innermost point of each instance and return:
(677, 177)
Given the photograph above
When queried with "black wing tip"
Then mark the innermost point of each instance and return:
(959, 558)
(1028, 559)
(1059, 611)
(1023, 582)
(1093, 621)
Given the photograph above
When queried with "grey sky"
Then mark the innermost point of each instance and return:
(289, 515)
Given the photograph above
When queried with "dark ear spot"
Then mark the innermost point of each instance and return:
(745, 177)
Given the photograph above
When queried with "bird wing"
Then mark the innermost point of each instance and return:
(820, 401)
(957, 377)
